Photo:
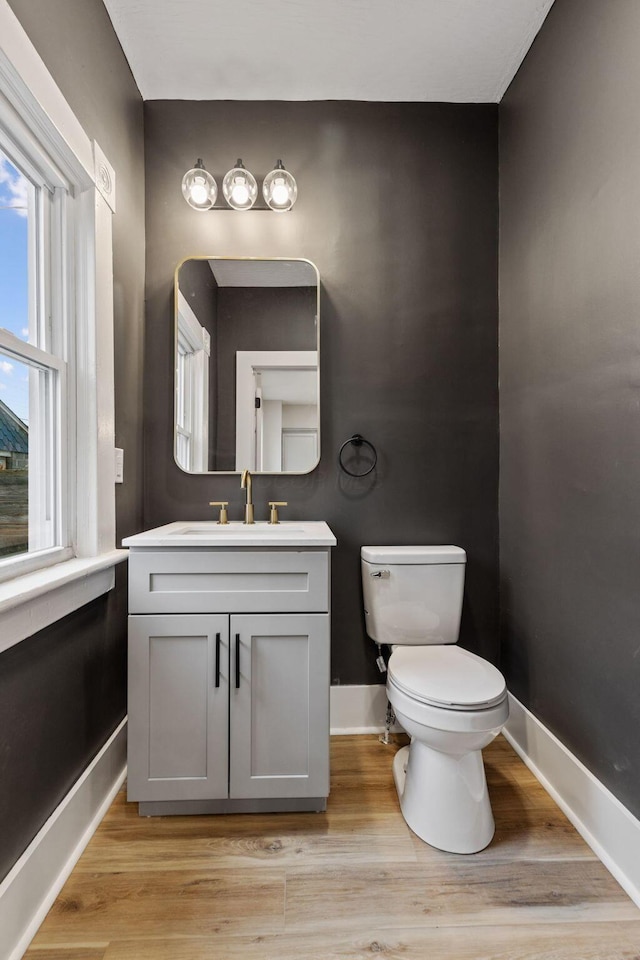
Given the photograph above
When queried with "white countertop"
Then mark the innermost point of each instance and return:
(209, 533)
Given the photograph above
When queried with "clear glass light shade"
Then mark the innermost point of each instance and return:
(240, 188)
(199, 188)
(279, 189)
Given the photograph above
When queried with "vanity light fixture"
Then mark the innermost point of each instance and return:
(279, 189)
(199, 188)
(240, 189)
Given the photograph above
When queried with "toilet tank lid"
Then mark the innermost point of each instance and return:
(421, 554)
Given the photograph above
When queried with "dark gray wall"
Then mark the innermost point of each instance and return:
(569, 377)
(63, 691)
(398, 209)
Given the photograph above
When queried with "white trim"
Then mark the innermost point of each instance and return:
(104, 176)
(189, 325)
(37, 98)
(100, 429)
(32, 602)
(21, 351)
(34, 882)
(358, 709)
(611, 831)
(33, 94)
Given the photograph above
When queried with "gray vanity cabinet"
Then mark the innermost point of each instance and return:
(229, 711)
(178, 707)
(279, 706)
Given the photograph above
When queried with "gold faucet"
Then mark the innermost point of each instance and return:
(245, 483)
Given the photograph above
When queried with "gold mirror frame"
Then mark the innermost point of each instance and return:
(190, 451)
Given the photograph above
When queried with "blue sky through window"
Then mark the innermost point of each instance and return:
(14, 281)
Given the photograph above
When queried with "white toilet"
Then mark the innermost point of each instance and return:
(451, 702)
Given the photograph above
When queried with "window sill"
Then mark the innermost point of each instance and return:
(32, 602)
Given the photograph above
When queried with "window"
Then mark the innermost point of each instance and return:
(57, 197)
(36, 325)
(192, 390)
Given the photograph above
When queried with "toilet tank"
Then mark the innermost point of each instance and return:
(413, 595)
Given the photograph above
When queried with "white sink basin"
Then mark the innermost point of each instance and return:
(209, 533)
(233, 529)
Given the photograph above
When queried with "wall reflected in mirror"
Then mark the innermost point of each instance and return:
(247, 350)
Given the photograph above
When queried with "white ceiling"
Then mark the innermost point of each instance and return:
(263, 273)
(459, 51)
(290, 385)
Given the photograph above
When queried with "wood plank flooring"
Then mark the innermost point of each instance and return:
(350, 883)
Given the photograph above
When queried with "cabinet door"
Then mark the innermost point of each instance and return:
(178, 707)
(279, 706)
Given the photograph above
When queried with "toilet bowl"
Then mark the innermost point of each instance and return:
(451, 702)
(441, 781)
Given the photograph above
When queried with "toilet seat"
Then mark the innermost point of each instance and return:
(446, 677)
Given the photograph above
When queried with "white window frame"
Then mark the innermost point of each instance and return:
(34, 598)
(193, 349)
(52, 325)
(48, 420)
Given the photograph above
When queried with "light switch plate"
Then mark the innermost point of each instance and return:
(119, 465)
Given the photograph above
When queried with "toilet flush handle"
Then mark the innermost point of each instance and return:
(381, 574)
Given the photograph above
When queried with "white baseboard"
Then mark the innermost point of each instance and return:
(29, 890)
(358, 709)
(607, 826)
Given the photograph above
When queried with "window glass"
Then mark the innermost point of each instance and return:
(14, 377)
(16, 200)
(14, 457)
(30, 399)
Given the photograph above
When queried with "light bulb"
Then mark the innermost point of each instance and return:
(279, 192)
(279, 189)
(239, 187)
(199, 192)
(239, 192)
(199, 188)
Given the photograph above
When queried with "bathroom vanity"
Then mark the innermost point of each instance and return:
(229, 652)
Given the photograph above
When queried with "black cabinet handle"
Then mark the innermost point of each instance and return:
(237, 660)
(217, 659)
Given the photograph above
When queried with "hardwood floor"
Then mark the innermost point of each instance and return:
(350, 883)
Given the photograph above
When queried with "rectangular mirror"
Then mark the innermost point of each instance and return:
(247, 373)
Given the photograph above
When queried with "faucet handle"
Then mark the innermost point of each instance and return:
(274, 504)
(223, 504)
